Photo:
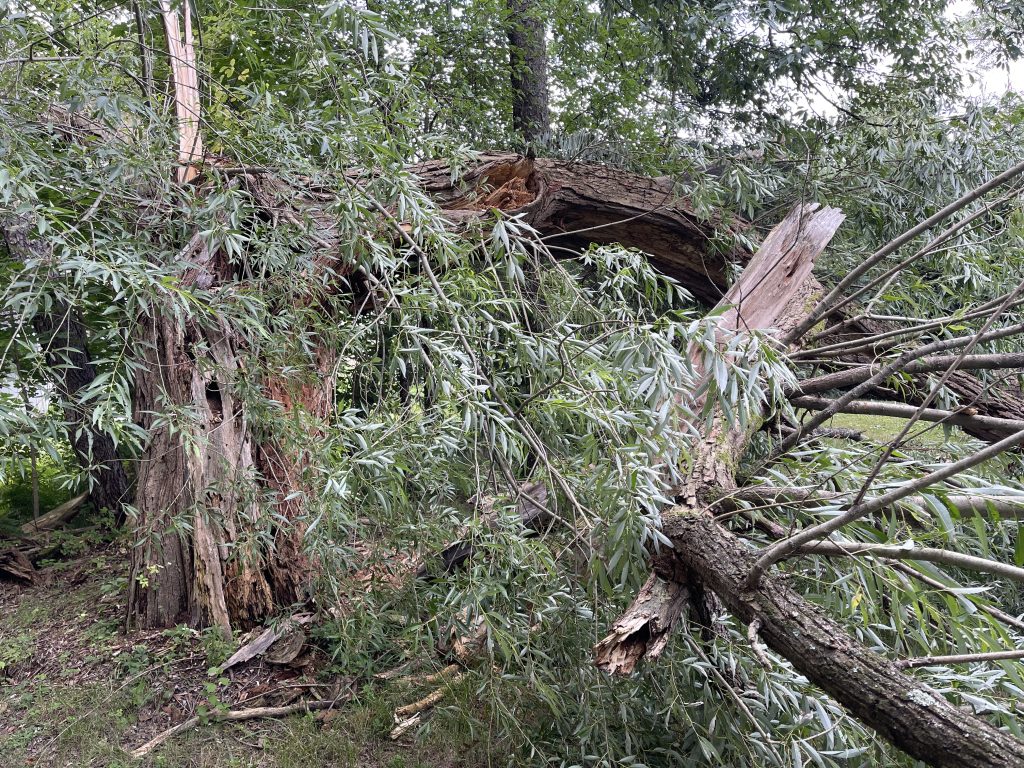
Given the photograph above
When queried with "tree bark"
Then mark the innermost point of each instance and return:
(878, 692)
(220, 533)
(575, 205)
(63, 339)
(528, 61)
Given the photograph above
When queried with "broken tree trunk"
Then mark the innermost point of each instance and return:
(772, 292)
(221, 501)
(575, 205)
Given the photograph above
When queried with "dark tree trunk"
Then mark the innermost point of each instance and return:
(65, 348)
(67, 355)
(528, 59)
(877, 692)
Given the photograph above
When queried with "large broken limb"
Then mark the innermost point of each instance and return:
(875, 690)
(644, 630)
(576, 204)
(705, 556)
(772, 288)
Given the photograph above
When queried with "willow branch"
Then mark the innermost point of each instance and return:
(926, 554)
(896, 365)
(854, 376)
(828, 302)
(961, 658)
(786, 547)
(903, 411)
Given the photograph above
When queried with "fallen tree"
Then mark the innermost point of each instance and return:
(223, 498)
(772, 293)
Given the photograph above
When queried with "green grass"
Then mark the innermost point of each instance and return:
(74, 692)
(882, 429)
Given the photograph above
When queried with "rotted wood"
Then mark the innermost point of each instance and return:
(575, 205)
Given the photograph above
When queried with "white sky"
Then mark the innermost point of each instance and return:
(991, 82)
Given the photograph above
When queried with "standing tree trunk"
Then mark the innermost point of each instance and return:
(528, 59)
(220, 496)
(62, 337)
(220, 529)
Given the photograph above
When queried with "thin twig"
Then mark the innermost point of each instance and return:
(961, 658)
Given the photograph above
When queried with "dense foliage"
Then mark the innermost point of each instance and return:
(477, 360)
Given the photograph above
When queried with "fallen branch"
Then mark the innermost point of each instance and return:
(705, 557)
(854, 376)
(927, 554)
(962, 658)
(896, 366)
(643, 630)
(233, 716)
(56, 517)
(409, 716)
(902, 411)
(15, 564)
